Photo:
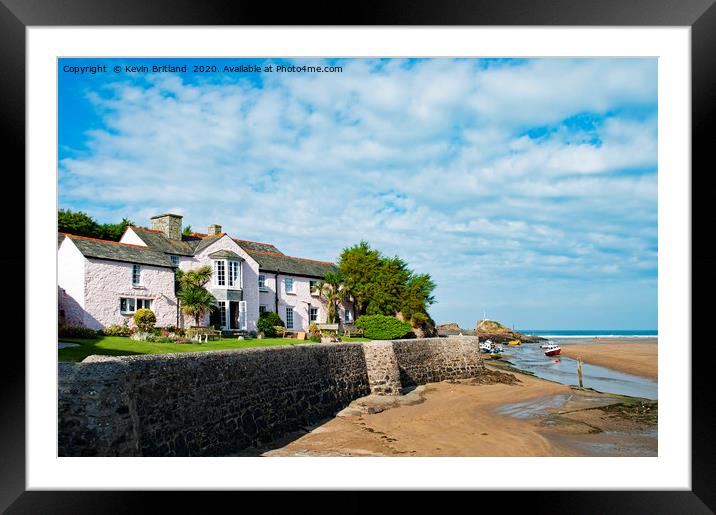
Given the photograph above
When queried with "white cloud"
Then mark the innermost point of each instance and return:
(428, 160)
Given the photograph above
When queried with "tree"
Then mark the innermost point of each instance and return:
(388, 287)
(77, 222)
(417, 297)
(358, 264)
(195, 300)
(114, 232)
(381, 285)
(332, 292)
(197, 277)
(81, 224)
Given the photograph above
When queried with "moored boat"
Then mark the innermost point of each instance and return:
(514, 342)
(552, 350)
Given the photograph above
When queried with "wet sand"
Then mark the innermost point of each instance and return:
(636, 356)
(464, 419)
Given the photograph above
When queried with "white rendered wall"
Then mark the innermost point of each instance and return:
(130, 236)
(70, 278)
(249, 272)
(107, 281)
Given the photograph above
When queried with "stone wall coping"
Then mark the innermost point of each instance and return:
(96, 358)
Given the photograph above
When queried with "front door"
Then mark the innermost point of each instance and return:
(233, 320)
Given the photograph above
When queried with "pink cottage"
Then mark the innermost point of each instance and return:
(103, 282)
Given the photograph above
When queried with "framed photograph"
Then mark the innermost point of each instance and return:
(445, 248)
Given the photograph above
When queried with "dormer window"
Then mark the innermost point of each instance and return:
(175, 260)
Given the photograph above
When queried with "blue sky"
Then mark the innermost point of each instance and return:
(526, 188)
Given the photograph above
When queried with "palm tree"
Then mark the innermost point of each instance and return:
(332, 293)
(197, 277)
(194, 299)
(196, 302)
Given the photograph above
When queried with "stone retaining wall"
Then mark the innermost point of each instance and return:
(215, 403)
(203, 403)
(430, 360)
(383, 370)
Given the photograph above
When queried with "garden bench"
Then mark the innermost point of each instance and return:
(203, 333)
(328, 327)
(351, 329)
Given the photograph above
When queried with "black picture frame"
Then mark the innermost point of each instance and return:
(700, 15)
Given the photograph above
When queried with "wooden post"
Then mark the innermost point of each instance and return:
(579, 371)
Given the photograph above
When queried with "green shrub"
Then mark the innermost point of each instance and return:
(145, 320)
(315, 339)
(266, 323)
(76, 331)
(116, 330)
(381, 327)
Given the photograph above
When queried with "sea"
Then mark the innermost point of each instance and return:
(563, 370)
(591, 333)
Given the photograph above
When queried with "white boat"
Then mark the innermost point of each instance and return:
(489, 348)
(552, 350)
(549, 343)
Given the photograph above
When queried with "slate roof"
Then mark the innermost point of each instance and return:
(277, 262)
(158, 241)
(269, 258)
(205, 242)
(223, 253)
(248, 246)
(112, 250)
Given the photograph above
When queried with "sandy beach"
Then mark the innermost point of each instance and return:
(636, 356)
(531, 418)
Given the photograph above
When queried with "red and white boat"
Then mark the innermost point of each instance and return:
(552, 350)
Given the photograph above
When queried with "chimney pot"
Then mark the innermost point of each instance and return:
(214, 229)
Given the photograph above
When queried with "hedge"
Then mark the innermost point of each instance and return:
(381, 327)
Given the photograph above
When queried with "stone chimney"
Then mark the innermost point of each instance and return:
(169, 224)
(214, 229)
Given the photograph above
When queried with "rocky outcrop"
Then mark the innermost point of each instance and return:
(498, 333)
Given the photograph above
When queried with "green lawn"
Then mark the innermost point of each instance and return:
(121, 346)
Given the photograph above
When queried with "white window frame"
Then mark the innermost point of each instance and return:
(292, 291)
(233, 281)
(219, 273)
(289, 323)
(135, 304)
(262, 282)
(263, 308)
(310, 314)
(222, 313)
(225, 266)
(136, 271)
(347, 316)
(127, 311)
(312, 287)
